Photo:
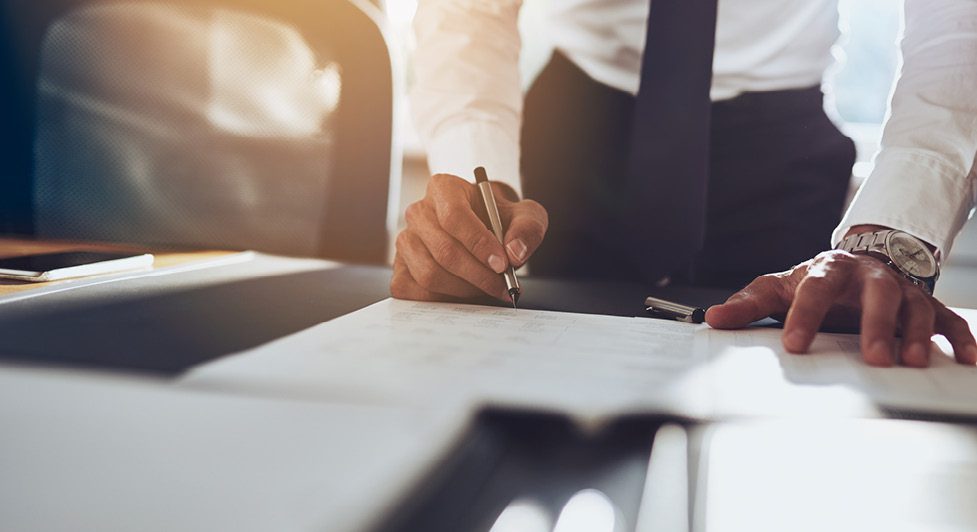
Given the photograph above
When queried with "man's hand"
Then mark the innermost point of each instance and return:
(841, 288)
(446, 252)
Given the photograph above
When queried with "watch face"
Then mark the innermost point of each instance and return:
(911, 255)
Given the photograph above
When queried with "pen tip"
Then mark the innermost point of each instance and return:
(514, 296)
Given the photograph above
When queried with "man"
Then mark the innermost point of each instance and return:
(620, 144)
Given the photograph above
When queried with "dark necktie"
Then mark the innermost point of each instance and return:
(669, 161)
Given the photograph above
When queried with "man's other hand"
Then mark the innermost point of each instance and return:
(446, 253)
(839, 288)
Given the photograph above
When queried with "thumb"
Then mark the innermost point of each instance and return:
(525, 230)
(758, 300)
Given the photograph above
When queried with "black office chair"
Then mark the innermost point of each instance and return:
(54, 171)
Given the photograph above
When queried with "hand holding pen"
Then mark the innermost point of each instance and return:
(447, 253)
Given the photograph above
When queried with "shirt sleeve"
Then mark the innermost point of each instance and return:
(467, 98)
(924, 177)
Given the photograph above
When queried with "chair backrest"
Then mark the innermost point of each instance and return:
(142, 136)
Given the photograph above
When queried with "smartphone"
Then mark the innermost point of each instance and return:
(66, 265)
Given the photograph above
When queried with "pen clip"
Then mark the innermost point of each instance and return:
(660, 308)
(670, 315)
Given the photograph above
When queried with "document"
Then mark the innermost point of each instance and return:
(753, 375)
(421, 353)
(592, 367)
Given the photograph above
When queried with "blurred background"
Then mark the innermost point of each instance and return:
(285, 126)
(230, 124)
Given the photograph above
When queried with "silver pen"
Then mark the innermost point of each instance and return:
(495, 221)
(675, 311)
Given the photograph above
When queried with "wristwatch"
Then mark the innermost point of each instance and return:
(901, 251)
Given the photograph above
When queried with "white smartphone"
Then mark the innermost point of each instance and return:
(66, 265)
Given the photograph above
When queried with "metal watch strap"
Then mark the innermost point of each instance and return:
(874, 244)
(865, 242)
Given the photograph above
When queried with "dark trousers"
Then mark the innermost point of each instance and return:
(779, 174)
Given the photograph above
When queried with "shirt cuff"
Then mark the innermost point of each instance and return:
(913, 192)
(460, 148)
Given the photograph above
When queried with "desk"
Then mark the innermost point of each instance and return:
(178, 321)
(164, 325)
(182, 320)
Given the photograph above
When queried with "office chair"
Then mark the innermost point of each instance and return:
(124, 173)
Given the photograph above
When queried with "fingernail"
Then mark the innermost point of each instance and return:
(970, 354)
(518, 249)
(914, 355)
(496, 263)
(796, 341)
(880, 354)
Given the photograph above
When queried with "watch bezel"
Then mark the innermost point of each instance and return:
(890, 253)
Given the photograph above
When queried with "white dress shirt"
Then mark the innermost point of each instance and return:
(467, 100)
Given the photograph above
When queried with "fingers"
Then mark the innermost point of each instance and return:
(403, 286)
(881, 300)
(434, 256)
(526, 223)
(918, 318)
(451, 199)
(823, 284)
(428, 272)
(446, 249)
(957, 332)
(761, 298)
(849, 285)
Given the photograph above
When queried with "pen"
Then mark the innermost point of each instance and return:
(676, 311)
(495, 221)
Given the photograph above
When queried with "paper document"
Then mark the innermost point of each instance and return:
(593, 367)
(431, 352)
(753, 375)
